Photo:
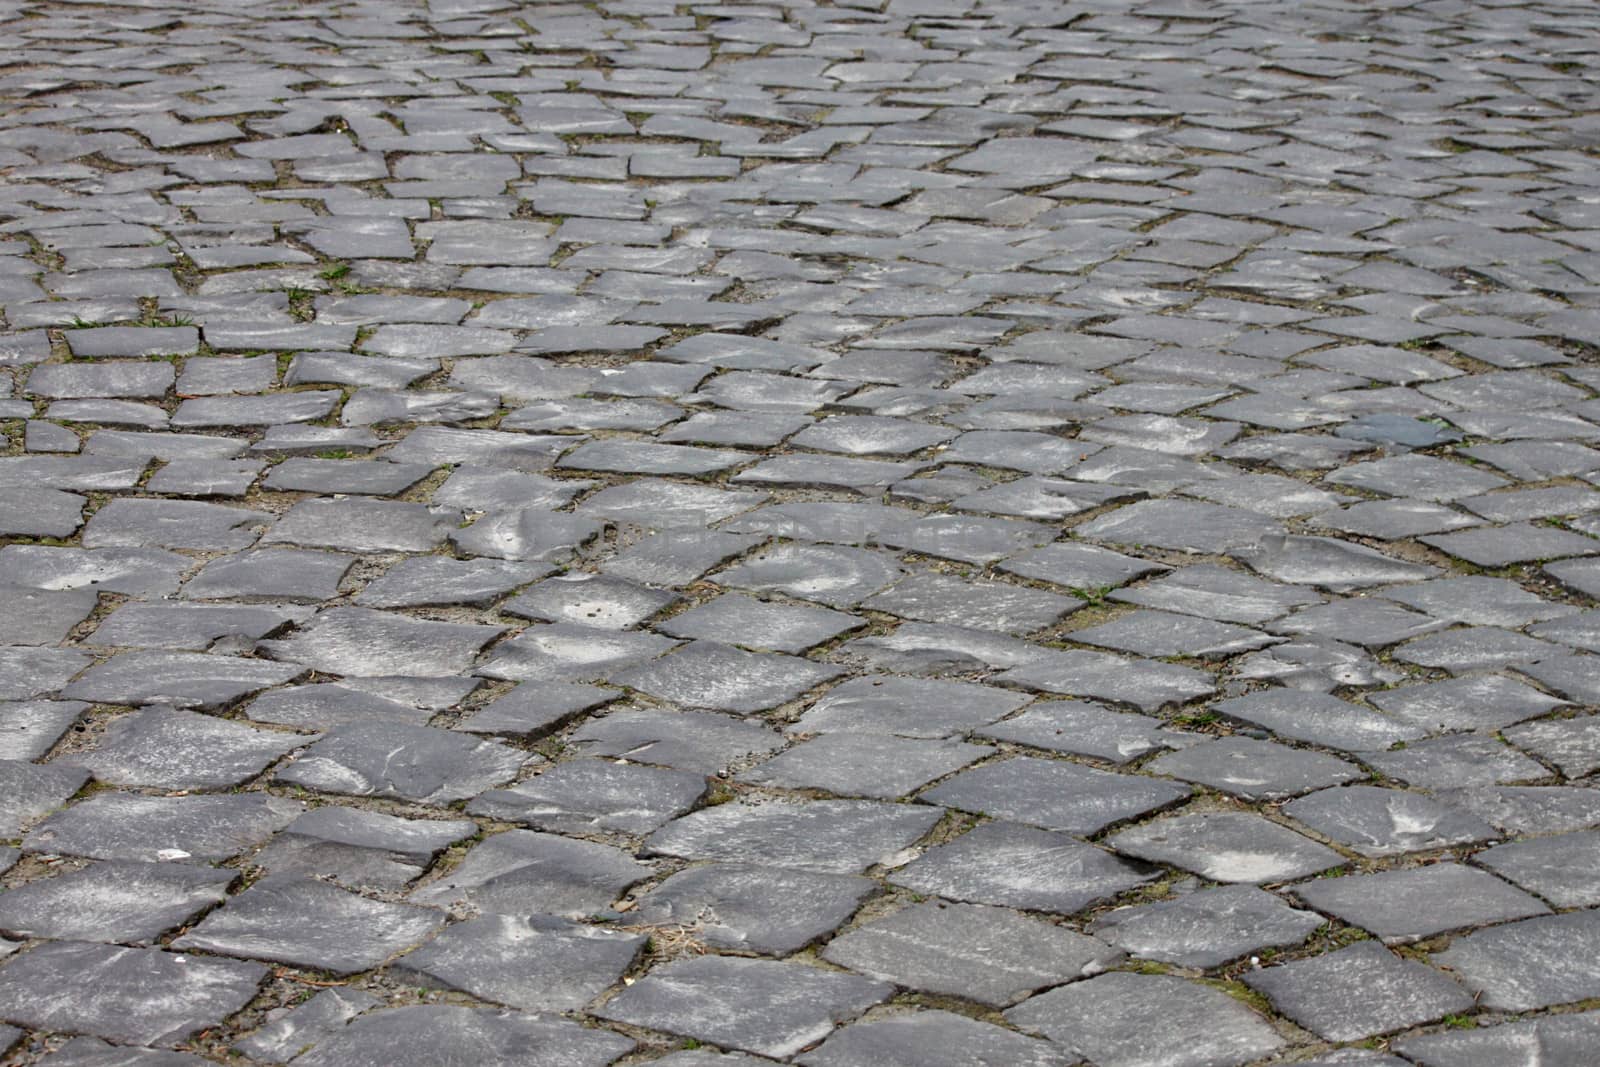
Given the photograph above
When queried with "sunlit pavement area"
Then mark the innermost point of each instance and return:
(923, 533)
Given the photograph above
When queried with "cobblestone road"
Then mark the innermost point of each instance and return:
(920, 533)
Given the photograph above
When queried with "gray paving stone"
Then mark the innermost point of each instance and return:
(31, 791)
(1530, 964)
(1142, 683)
(362, 526)
(421, 1034)
(1080, 728)
(415, 763)
(306, 923)
(1359, 991)
(519, 872)
(126, 995)
(1559, 869)
(167, 748)
(990, 955)
(857, 765)
(320, 1017)
(1459, 760)
(836, 836)
(360, 848)
(125, 826)
(1400, 906)
(276, 574)
(1572, 745)
(588, 796)
(1254, 769)
(693, 741)
(1555, 1040)
(757, 908)
(366, 643)
(1021, 867)
(536, 963)
(1133, 1020)
(704, 674)
(180, 679)
(1386, 822)
(30, 728)
(838, 577)
(761, 1006)
(43, 617)
(759, 625)
(1323, 720)
(907, 707)
(1206, 928)
(1226, 847)
(1055, 795)
(933, 1038)
(129, 903)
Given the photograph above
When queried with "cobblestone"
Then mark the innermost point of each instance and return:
(900, 532)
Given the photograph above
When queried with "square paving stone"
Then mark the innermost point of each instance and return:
(534, 710)
(1021, 867)
(590, 600)
(1549, 1041)
(708, 675)
(520, 872)
(181, 679)
(421, 581)
(430, 1035)
(1181, 525)
(306, 1024)
(1408, 905)
(907, 707)
(1460, 760)
(989, 605)
(138, 996)
(1055, 794)
(933, 1039)
(1255, 770)
(131, 903)
(367, 643)
(276, 574)
(761, 1006)
(307, 923)
(838, 577)
(1078, 566)
(591, 796)
(1359, 991)
(137, 522)
(537, 964)
(1082, 729)
(166, 748)
(415, 763)
(864, 765)
(838, 836)
(1208, 928)
(326, 705)
(358, 525)
(765, 909)
(1479, 702)
(1226, 847)
(991, 955)
(360, 848)
(1338, 566)
(1144, 684)
(1386, 822)
(1137, 1020)
(1560, 869)
(1532, 964)
(1573, 745)
(1319, 719)
(191, 627)
(40, 616)
(760, 625)
(565, 652)
(29, 729)
(1160, 633)
(687, 740)
(124, 826)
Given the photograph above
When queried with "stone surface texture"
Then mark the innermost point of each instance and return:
(826, 532)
